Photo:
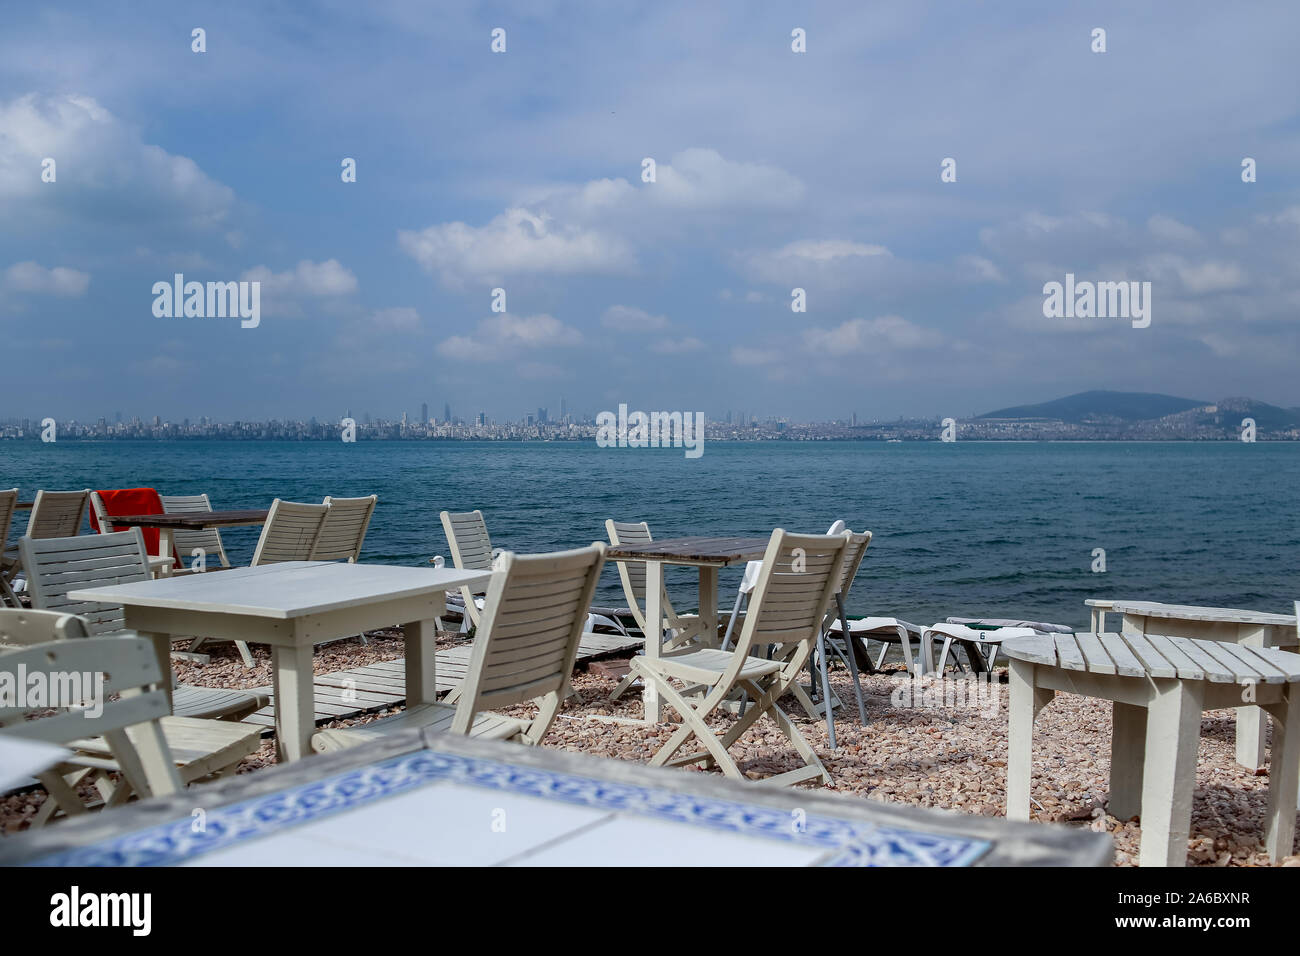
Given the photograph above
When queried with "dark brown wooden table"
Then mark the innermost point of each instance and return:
(706, 553)
(192, 521)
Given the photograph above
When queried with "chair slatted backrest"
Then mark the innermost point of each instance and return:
(8, 503)
(344, 529)
(532, 623)
(471, 550)
(56, 566)
(58, 514)
(21, 627)
(630, 534)
(800, 575)
(92, 671)
(853, 555)
(467, 536)
(186, 541)
(290, 532)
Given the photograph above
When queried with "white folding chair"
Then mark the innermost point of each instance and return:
(798, 579)
(531, 625)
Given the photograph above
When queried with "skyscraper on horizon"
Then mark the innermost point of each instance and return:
(424, 413)
(446, 413)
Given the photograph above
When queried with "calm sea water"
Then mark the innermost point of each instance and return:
(972, 529)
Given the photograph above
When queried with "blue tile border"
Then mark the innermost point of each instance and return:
(848, 843)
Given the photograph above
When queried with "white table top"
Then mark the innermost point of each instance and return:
(1190, 612)
(285, 591)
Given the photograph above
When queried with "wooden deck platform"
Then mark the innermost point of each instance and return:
(374, 687)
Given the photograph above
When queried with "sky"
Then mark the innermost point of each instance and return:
(525, 170)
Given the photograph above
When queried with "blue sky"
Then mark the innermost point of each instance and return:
(523, 170)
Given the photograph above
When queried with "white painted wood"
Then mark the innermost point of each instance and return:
(186, 540)
(510, 663)
(1187, 612)
(343, 531)
(1126, 664)
(1020, 735)
(1169, 772)
(793, 566)
(290, 590)
(1215, 672)
(1099, 662)
(1188, 669)
(1280, 811)
(1150, 658)
(1127, 746)
(1068, 654)
(1157, 725)
(8, 502)
(290, 532)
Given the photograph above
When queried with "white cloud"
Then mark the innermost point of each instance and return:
(519, 241)
(699, 178)
(503, 336)
(837, 261)
(1164, 227)
(32, 277)
(103, 168)
(627, 318)
(745, 355)
(594, 227)
(670, 346)
(307, 278)
(888, 332)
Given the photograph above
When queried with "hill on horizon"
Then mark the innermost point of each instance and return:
(1102, 406)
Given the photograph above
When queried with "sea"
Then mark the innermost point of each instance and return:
(1017, 530)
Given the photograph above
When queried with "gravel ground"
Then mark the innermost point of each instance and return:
(930, 756)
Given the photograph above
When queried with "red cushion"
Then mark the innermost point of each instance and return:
(131, 501)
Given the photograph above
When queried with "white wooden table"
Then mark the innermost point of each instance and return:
(1158, 686)
(293, 607)
(1252, 628)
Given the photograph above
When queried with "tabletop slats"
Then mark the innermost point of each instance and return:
(1155, 663)
(1213, 671)
(1099, 661)
(1269, 673)
(1158, 656)
(1188, 669)
(1068, 653)
(1126, 664)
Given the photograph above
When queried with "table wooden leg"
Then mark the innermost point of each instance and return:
(1250, 719)
(1284, 775)
(162, 646)
(1127, 743)
(421, 662)
(654, 617)
(1169, 771)
(1020, 736)
(165, 550)
(295, 701)
(709, 605)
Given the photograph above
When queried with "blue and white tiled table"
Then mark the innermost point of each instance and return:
(457, 802)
